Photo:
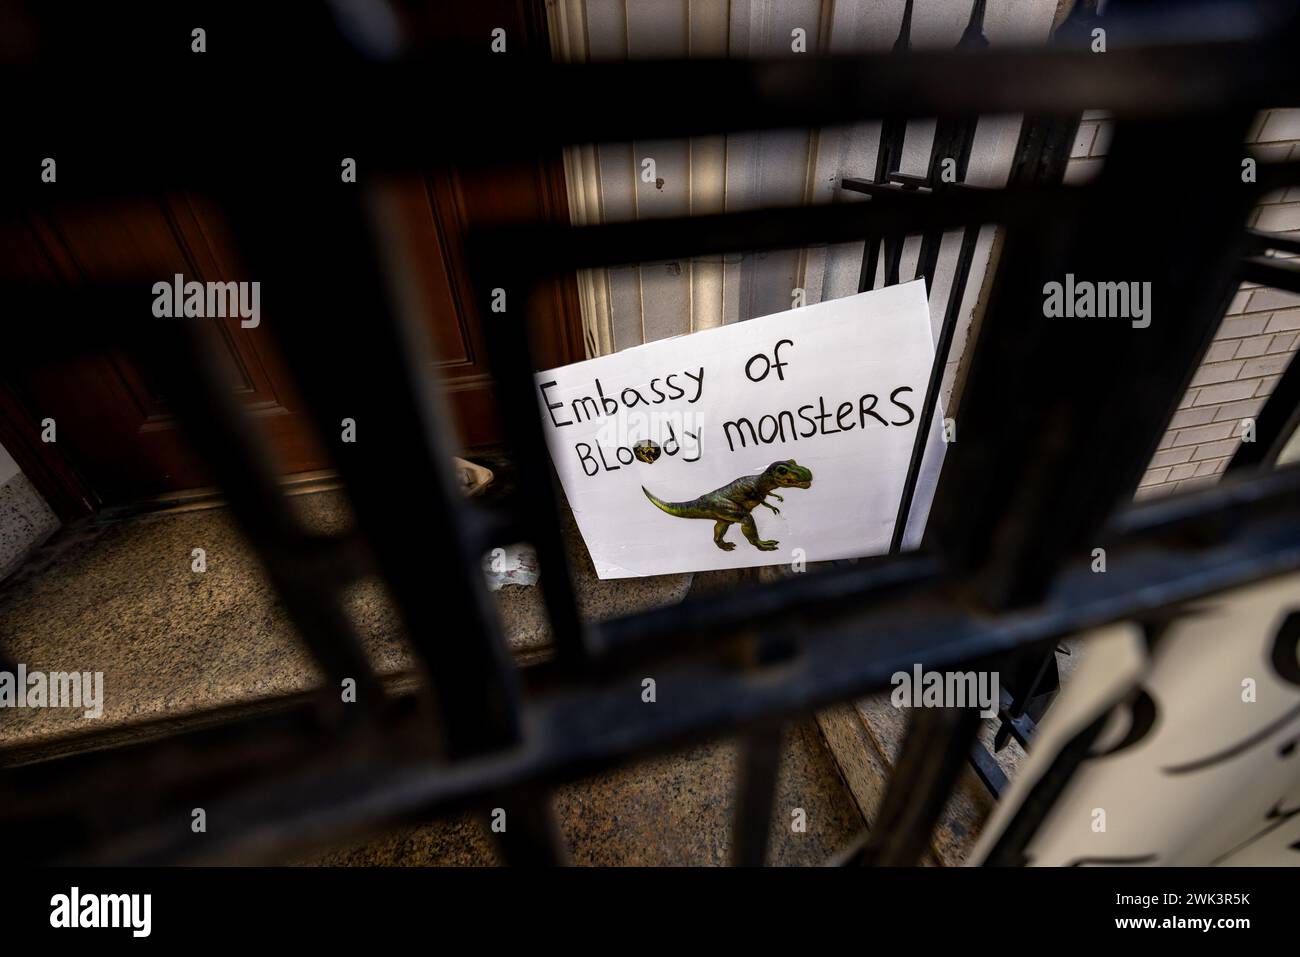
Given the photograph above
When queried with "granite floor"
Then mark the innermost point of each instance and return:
(25, 520)
(675, 810)
(122, 598)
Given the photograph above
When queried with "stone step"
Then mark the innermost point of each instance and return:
(121, 599)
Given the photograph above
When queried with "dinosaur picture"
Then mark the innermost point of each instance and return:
(733, 503)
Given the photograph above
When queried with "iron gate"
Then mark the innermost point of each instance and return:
(1024, 497)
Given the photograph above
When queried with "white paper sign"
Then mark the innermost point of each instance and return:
(780, 440)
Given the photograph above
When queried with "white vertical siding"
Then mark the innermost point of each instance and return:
(635, 304)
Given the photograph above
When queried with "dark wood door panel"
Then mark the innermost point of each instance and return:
(111, 419)
(435, 228)
(458, 201)
(114, 423)
(115, 428)
(453, 336)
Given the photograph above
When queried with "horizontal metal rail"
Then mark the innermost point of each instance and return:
(1160, 554)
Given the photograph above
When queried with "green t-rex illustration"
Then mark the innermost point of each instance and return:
(732, 504)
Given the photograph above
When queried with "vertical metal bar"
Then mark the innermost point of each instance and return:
(934, 753)
(932, 239)
(893, 258)
(507, 336)
(376, 372)
(1042, 152)
(903, 42)
(889, 156)
(1045, 141)
(951, 136)
(926, 264)
(965, 256)
(183, 358)
(531, 837)
(1020, 699)
(987, 769)
(1124, 378)
(1274, 424)
(973, 37)
(760, 765)
(532, 834)
(1009, 849)
(870, 254)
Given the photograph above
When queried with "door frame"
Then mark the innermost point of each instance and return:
(49, 468)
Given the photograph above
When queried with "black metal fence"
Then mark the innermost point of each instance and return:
(1057, 421)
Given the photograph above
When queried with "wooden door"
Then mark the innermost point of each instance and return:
(117, 441)
(113, 423)
(439, 210)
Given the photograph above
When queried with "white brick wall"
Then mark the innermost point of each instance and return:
(1255, 341)
(1089, 147)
